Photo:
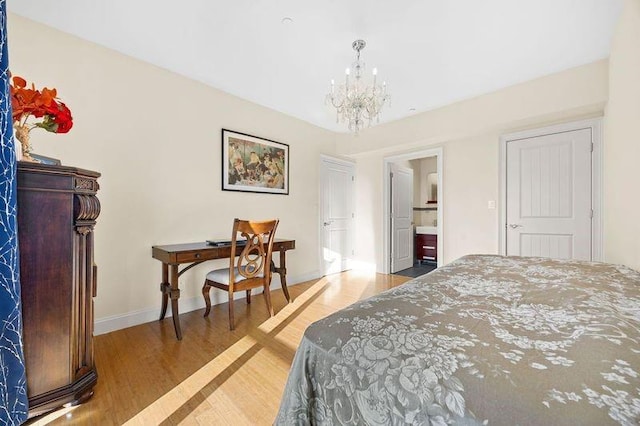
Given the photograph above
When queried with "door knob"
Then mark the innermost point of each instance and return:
(327, 223)
(514, 225)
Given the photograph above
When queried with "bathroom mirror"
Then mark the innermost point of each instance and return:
(432, 188)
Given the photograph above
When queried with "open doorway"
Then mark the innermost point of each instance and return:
(422, 195)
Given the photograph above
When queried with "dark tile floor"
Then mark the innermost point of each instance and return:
(417, 270)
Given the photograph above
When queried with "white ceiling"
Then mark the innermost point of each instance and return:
(430, 52)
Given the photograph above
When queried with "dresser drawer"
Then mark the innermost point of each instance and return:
(427, 252)
(192, 256)
(426, 238)
(427, 246)
(433, 239)
(429, 258)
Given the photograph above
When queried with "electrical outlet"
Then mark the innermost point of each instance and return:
(491, 204)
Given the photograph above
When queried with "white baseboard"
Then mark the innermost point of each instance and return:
(129, 319)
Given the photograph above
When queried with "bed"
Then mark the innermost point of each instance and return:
(485, 340)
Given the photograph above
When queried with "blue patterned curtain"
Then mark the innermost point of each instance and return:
(13, 387)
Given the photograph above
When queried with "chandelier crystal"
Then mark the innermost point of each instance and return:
(356, 102)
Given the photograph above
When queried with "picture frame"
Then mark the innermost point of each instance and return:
(254, 164)
(46, 160)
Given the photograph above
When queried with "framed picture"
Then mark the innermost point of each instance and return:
(254, 164)
(45, 160)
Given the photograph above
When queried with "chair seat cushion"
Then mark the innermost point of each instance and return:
(222, 275)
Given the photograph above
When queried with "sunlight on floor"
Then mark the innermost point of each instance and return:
(44, 420)
(253, 345)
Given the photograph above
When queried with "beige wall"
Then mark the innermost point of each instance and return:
(622, 143)
(155, 137)
(469, 133)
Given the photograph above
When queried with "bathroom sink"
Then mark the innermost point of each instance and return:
(427, 230)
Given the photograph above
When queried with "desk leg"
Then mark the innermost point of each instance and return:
(175, 295)
(282, 270)
(165, 288)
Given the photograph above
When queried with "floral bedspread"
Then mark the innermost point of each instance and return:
(485, 340)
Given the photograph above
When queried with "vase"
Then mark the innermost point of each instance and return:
(22, 134)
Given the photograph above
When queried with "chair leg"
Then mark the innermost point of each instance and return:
(248, 297)
(267, 298)
(205, 293)
(232, 324)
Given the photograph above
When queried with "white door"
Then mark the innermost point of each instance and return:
(549, 196)
(337, 215)
(401, 218)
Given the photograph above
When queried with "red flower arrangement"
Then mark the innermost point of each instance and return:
(28, 102)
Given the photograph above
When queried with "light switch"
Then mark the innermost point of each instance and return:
(491, 204)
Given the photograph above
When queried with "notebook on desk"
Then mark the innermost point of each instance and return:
(222, 242)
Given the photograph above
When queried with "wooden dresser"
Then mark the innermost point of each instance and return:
(57, 211)
(426, 247)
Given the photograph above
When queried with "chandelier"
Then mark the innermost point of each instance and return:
(355, 101)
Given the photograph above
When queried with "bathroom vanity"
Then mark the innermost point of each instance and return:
(426, 244)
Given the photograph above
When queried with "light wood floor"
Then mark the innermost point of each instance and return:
(213, 376)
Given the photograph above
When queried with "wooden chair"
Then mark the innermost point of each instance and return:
(251, 269)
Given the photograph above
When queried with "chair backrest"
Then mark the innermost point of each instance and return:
(254, 259)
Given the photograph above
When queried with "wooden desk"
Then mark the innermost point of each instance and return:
(174, 255)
